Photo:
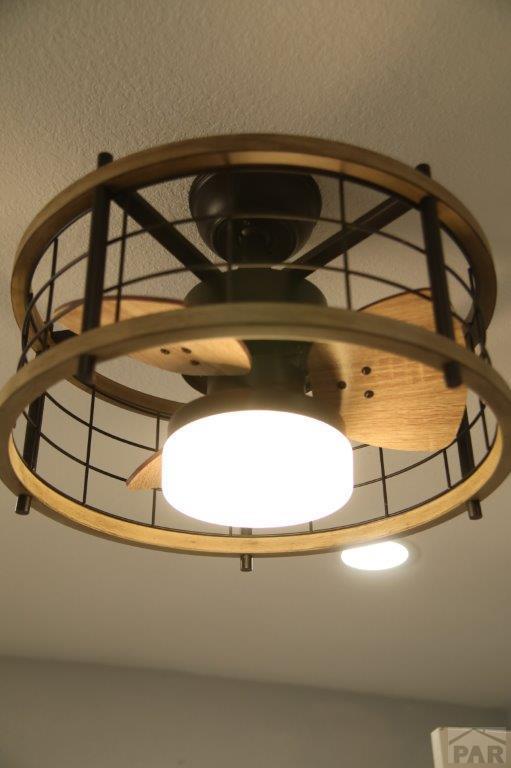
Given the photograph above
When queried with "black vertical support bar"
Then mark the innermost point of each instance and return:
(438, 278)
(156, 448)
(95, 269)
(477, 330)
(120, 271)
(25, 334)
(36, 409)
(467, 464)
(447, 470)
(31, 448)
(469, 340)
(464, 438)
(482, 406)
(51, 289)
(383, 482)
(229, 288)
(89, 446)
(345, 253)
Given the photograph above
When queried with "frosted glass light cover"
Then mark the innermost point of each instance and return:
(376, 557)
(257, 469)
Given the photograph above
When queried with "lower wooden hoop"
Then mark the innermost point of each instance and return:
(254, 321)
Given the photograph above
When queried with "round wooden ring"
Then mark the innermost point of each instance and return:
(211, 153)
(255, 321)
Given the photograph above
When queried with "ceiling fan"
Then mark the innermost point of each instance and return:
(282, 400)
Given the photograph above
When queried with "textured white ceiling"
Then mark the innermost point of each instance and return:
(422, 80)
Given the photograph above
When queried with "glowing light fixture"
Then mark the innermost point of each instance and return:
(376, 557)
(255, 467)
(255, 320)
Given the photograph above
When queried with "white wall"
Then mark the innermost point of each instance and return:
(62, 715)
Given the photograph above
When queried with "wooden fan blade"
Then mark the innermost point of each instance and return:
(211, 357)
(147, 476)
(384, 399)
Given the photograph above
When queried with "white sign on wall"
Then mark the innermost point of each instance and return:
(471, 747)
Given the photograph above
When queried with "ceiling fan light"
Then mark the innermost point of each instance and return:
(256, 467)
(381, 556)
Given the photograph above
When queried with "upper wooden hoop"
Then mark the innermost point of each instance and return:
(255, 321)
(207, 154)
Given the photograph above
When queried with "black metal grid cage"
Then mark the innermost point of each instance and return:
(85, 440)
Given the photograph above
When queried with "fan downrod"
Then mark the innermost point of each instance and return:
(274, 363)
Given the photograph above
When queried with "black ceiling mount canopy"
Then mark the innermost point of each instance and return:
(165, 233)
(246, 195)
(262, 206)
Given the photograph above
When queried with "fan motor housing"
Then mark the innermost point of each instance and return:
(258, 284)
(274, 363)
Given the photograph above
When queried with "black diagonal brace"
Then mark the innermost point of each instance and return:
(165, 233)
(348, 237)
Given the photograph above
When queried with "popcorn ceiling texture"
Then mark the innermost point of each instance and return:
(421, 80)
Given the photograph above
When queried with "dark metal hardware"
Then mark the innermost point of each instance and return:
(59, 336)
(246, 560)
(246, 563)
